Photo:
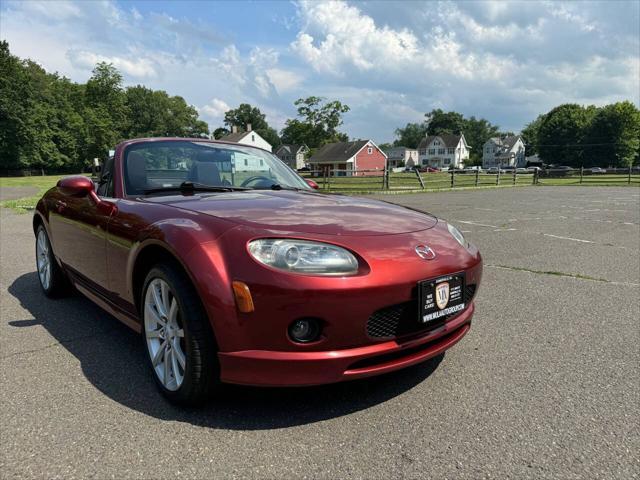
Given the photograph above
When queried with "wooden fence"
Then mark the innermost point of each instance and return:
(374, 180)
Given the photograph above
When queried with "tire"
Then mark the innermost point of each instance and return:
(177, 336)
(52, 278)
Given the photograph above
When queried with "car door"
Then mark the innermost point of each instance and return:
(78, 226)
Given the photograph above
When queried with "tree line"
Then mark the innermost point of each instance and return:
(50, 122)
(569, 134)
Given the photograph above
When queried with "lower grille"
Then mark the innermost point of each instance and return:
(469, 292)
(402, 318)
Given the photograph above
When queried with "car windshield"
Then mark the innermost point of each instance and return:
(158, 166)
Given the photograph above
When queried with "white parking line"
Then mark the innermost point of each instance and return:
(478, 224)
(568, 238)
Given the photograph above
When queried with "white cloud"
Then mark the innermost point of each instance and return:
(138, 68)
(505, 61)
(215, 110)
(284, 80)
(389, 61)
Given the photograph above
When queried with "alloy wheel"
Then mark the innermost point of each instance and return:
(164, 334)
(43, 260)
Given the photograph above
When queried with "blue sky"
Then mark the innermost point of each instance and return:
(389, 61)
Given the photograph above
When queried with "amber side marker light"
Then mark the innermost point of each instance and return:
(242, 293)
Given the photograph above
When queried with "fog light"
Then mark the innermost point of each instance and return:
(304, 330)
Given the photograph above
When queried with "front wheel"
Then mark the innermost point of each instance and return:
(52, 279)
(178, 337)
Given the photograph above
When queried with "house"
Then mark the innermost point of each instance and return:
(506, 152)
(293, 155)
(401, 157)
(249, 137)
(359, 158)
(443, 151)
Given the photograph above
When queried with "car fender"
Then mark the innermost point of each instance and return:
(196, 249)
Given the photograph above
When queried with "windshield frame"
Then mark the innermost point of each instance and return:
(293, 180)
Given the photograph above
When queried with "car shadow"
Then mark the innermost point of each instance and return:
(112, 359)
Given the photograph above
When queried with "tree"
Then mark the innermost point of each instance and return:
(220, 132)
(246, 114)
(439, 122)
(155, 113)
(562, 133)
(530, 135)
(147, 112)
(15, 102)
(106, 112)
(411, 135)
(477, 131)
(613, 138)
(318, 124)
(49, 122)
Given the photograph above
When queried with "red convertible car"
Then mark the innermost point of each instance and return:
(235, 269)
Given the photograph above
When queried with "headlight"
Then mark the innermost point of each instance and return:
(301, 256)
(455, 233)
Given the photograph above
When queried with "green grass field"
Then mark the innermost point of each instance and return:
(25, 204)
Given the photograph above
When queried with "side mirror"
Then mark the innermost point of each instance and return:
(312, 184)
(76, 186)
(81, 186)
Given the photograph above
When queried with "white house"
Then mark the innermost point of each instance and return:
(401, 156)
(443, 151)
(505, 152)
(249, 137)
(293, 155)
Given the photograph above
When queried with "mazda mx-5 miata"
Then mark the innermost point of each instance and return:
(235, 269)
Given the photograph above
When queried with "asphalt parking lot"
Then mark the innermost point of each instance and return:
(545, 385)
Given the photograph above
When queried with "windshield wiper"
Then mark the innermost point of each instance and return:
(277, 186)
(196, 187)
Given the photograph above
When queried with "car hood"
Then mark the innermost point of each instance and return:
(305, 212)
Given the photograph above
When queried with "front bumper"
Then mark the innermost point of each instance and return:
(289, 368)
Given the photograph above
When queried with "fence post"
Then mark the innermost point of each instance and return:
(328, 184)
(629, 177)
(477, 176)
(514, 175)
(385, 179)
(498, 177)
(581, 174)
(535, 176)
(453, 182)
(419, 178)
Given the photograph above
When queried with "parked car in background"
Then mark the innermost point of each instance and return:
(522, 170)
(597, 170)
(429, 170)
(234, 269)
(495, 170)
(559, 171)
(474, 169)
(533, 169)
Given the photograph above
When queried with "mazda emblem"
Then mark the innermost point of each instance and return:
(425, 252)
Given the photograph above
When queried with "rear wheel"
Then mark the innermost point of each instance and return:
(178, 337)
(52, 279)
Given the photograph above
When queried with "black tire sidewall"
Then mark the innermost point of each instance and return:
(200, 351)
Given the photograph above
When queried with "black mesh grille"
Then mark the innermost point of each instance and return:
(401, 319)
(469, 292)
